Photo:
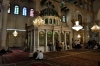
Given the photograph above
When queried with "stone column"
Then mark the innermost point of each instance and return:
(45, 40)
(28, 41)
(34, 46)
(53, 40)
(31, 41)
(36, 7)
(65, 41)
(78, 3)
(85, 33)
(70, 37)
(37, 38)
(87, 6)
(59, 36)
(5, 5)
(83, 4)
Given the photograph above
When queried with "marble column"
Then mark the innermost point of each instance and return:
(53, 40)
(70, 41)
(46, 41)
(5, 5)
(86, 38)
(37, 38)
(34, 46)
(65, 41)
(59, 36)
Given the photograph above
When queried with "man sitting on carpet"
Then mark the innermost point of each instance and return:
(35, 54)
(3, 51)
(40, 56)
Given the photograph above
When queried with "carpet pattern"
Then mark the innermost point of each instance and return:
(75, 58)
(16, 56)
(60, 58)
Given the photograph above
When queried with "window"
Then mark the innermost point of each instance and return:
(16, 9)
(54, 21)
(9, 9)
(31, 12)
(80, 19)
(24, 11)
(50, 21)
(46, 21)
(63, 19)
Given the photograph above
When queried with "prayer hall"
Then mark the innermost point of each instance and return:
(49, 33)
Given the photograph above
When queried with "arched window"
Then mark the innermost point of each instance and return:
(80, 19)
(64, 18)
(9, 9)
(16, 9)
(24, 11)
(32, 12)
(50, 21)
(46, 21)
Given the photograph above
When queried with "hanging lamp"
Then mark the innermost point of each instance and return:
(77, 27)
(95, 28)
(15, 33)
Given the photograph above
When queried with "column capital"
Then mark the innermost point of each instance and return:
(5, 4)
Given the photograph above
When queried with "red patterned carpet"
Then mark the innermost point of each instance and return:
(61, 58)
(16, 56)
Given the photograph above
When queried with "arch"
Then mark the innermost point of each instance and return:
(98, 15)
(77, 13)
(80, 19)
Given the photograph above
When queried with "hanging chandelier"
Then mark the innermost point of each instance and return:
(78, 36)
(38, 21)
(95, 28)
(15, 33)
(77, 27)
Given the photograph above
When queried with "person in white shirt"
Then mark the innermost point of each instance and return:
(62, 45)
(40, 56)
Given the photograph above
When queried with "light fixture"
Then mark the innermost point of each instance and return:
(77, 27)
(15, 33)
(78, 36)
(38, 21)
(95, 28)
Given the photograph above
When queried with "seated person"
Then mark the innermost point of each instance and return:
(35, 54)
(3, 51)
(40, 56)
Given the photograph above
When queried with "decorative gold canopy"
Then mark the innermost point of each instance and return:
(95, 28)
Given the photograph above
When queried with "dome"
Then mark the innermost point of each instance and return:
(48, 12)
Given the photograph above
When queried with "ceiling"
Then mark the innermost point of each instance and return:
(62, 2)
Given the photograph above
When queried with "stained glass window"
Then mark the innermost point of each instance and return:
(16, 9)
(9, 9)
(24, 11)
(32, 12)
